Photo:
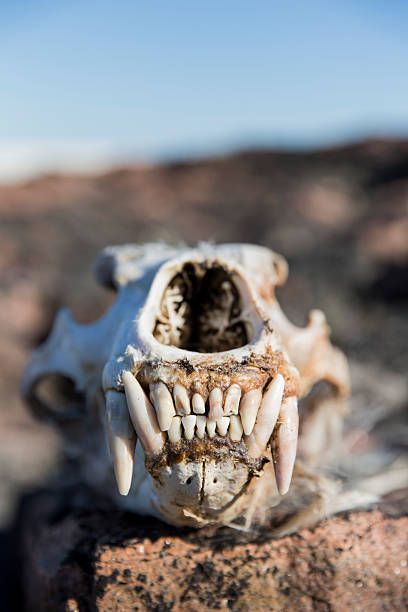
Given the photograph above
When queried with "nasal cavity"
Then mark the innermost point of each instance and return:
(201, 310)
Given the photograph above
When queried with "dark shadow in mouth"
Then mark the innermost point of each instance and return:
(201, 311)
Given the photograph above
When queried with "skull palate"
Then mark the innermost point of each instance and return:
(201, 311)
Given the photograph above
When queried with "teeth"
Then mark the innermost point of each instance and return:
(122, 439)
(201, 423)
(163, 403)
(189, 423)
(143, 415)
(198, 404)
(222, 425)
(215, 401)
(249, 409)
(181, 400)
(232, 397)
(235, 430)
(267, 417)
(285, 444)
(174, 432)
(211, 425)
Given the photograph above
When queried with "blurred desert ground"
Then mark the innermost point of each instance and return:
(339, 215)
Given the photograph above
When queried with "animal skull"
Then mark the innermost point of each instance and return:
(197, 368)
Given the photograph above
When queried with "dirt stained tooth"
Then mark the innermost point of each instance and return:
(211, 425)
(222, 425)
(142, 415)
(215, 402)
(189, 423)
(231, 402)
(201, 423)
(248, 409)
(174, 432)
(181, 400)
(198, 404)
(285, 443)
(163, 404)
(267, 417)
(122, 439)
(235, 429)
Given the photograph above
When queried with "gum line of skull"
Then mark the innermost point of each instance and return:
(201, 311)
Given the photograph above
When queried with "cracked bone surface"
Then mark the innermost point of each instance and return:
(199, 366)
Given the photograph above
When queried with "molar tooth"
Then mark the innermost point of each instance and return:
(235, 430)
(201, 423)
(211, 425)
(198, 404)
(181, 400)
(231, 402)
(215, 402)
(189, 423)
(174, 432)
(285, 443)
(267, 416)
(249, 409)
(143, 415)
(222, 425)
(163, 403)
(122, 439)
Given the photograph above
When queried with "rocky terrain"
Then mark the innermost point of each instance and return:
(340, 216)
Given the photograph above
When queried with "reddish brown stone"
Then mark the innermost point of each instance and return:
(112, 562)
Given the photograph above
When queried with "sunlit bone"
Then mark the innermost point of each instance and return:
(187, 322)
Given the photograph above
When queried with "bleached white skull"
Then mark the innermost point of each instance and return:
(196, 367)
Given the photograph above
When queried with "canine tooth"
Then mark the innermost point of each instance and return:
(284, 452)
(163, 404)
(215, 401)
(143, 415)
(267, 416)
(181, 400)
(201, 422)
(122, 439)
(189, 423)
(231, 402)
(198, 404)
(211, 425)
(248, 409)
(222, 425)
(174, 432)
(235, 430)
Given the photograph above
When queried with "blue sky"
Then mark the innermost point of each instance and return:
(167, 77)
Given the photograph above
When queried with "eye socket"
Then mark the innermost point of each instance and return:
(55, 397)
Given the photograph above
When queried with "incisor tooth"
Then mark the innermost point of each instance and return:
(211, 425)
(266, 419)
(285, 443)
(235, 429)
(122, 439)
(231, 402)
(174, 432)
(248, 409)
(201, 422)
(163, 404)
(189, 423)
(198, 404)
(215, 402)
(142, 415)
(222, 425)
(181, 400)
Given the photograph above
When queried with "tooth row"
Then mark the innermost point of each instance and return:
(168, 406)
(199, 425)
(254, 417)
